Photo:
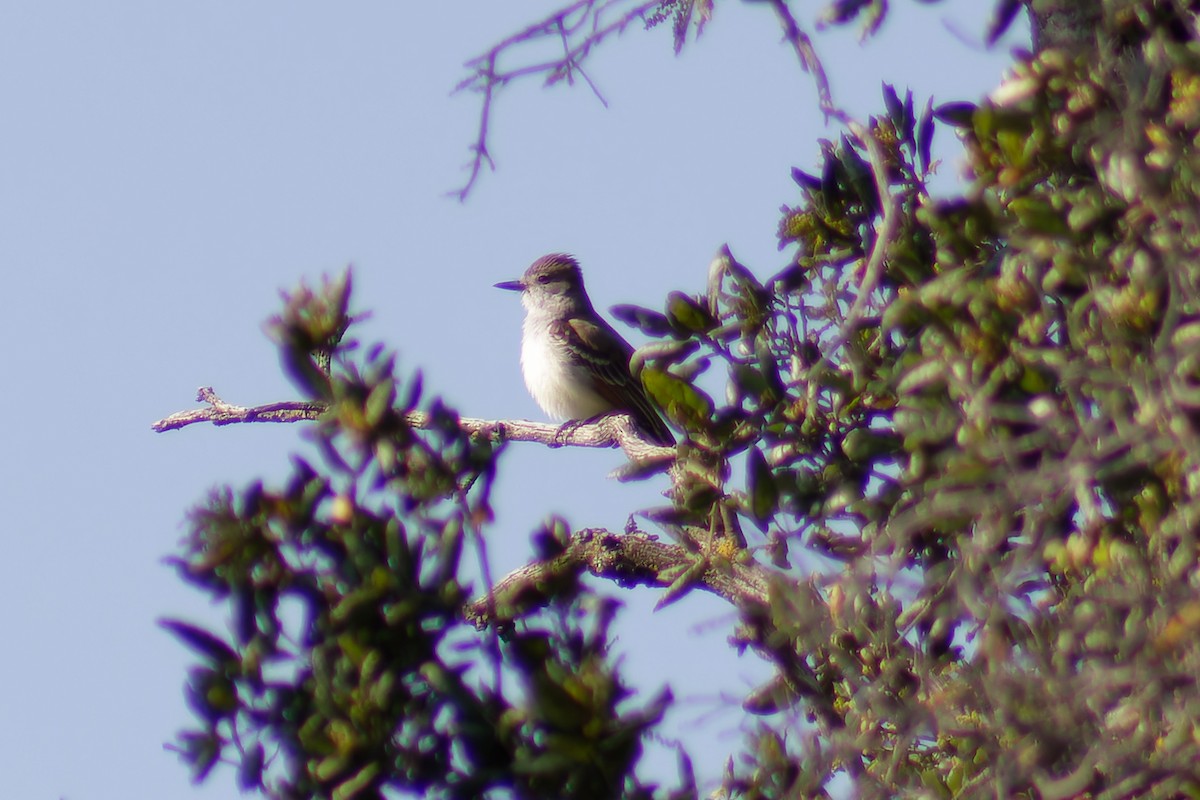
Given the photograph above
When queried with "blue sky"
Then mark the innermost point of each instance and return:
(168, 167)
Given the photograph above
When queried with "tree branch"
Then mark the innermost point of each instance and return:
(617, 430)
(639, 559)
(810, 62)
(631, 559)
(578, 27)
(221, 413)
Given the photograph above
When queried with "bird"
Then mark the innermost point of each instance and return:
(575, 365)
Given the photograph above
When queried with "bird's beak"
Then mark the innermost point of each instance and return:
(512, 286)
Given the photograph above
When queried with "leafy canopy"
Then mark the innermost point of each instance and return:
(980, 412)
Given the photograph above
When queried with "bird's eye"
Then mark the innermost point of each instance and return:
(543, 279)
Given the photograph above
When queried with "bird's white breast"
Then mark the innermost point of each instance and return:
(559, 386)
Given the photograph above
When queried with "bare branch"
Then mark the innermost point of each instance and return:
(639, 559)
(885, 233)
(631, 559)
(810, 62)
(890, 205)
(221, 413)
(617, 430)
(578, 27)
(479, 150)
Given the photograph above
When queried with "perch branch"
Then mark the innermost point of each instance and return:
(631, 559)
(219, 412)
(616, 430)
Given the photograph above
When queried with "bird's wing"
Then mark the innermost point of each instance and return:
(593, 343)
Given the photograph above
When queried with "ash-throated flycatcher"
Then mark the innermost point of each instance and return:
(575, 365)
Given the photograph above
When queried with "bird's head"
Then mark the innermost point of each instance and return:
(553, 285)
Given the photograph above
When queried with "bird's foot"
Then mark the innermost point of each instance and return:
(565, 430)
(570, 426)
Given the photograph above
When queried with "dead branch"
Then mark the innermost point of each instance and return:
(810, 62)
(578, 27)
(219, 412)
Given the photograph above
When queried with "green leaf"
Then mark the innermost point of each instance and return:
(928, 376)
(805, 180)
(958, 114)
(201, 751)
(764, 492)
(211, 694)
(1038, 215)
(684, 404)
(203, 642)
(899, 111)
(842, 11)
(651, 323)
(862, 444)
(688, 316)
(746, 382)
(379, 402)
(251, 770)
(925, 135)
(859, 178)
(681, 583)
(413, 395)
(358, 782)
(1002, 18)
(671, 351)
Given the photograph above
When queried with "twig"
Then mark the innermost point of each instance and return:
(890, 213)
(810, 62)
(221, 413)
(884, 234)
(479, 150)
(577, 38)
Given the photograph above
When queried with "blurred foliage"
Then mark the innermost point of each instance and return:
(992, 455)
(351, 669)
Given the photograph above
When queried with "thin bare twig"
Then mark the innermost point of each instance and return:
(219, 412)
(810, 62)
(884, 234)
(579, 26)
(889, 223)
(479, 148)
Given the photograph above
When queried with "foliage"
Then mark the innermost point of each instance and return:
(979, 412)
(351, 670)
